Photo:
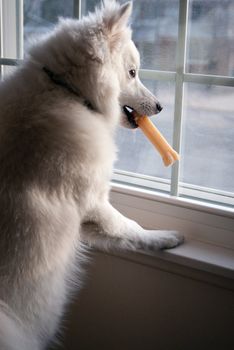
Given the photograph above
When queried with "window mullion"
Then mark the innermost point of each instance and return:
(1, 28)
(77, 8)
(209, 79)
(179, 90)
(19, 28)
(11, 27)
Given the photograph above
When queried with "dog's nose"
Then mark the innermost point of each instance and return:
(158, 107)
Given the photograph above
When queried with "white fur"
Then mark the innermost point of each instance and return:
(56, 159)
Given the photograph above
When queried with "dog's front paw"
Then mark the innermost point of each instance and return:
(163, 240)
(171, 239)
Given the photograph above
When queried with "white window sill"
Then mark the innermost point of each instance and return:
(202, 256)
(207, 223)
(209, 232)
(193, 259)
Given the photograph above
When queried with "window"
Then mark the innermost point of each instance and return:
(41, 15)
(188, 62)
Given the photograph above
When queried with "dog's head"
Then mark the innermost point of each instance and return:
(97, 58)
(126, 63)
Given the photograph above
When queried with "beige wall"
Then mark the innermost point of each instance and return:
(129, 306)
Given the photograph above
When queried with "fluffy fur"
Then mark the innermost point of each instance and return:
(56, 157)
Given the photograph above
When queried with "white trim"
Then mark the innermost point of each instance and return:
(207, 223)
(1, 35)
(207, 79)
(19, 4)
(77, 9)
(179, 91)
(210, 79)
(190, 259)
(11, 27)
(195, 192)
(141, 180)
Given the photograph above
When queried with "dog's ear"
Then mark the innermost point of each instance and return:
(115, 19)
(115, 16)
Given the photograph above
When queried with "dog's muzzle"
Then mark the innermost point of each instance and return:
(131, 115)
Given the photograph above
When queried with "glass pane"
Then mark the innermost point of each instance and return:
(207, 157)
(211, 36)
(136, 153)
(155, 29)
(88, 6)
(41, 15)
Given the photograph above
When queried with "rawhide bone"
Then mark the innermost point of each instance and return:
(168, 154)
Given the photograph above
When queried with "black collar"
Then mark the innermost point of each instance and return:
(58, 80)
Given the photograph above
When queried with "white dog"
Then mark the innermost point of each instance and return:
(58, 116)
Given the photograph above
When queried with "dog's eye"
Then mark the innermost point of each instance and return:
(132, 73)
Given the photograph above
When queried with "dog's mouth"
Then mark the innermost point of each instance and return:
(129, 112)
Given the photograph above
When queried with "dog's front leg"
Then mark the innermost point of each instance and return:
(108, 228)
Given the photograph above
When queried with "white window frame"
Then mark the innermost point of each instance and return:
(143, 197)
(11, 25)
(179, 78)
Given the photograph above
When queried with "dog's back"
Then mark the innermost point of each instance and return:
(38, 224)
(56, 158)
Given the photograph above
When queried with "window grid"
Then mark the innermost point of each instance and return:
(179, 77)
(11, 23)
(77, 8)
(179, 91)
(20, 28)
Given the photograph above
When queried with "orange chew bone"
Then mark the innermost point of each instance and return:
(168, 154)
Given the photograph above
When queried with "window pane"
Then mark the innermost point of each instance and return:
(211, 36)
(155, 29)
(88, 6)
(208, 137)
(41, 15)
(136, 153)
